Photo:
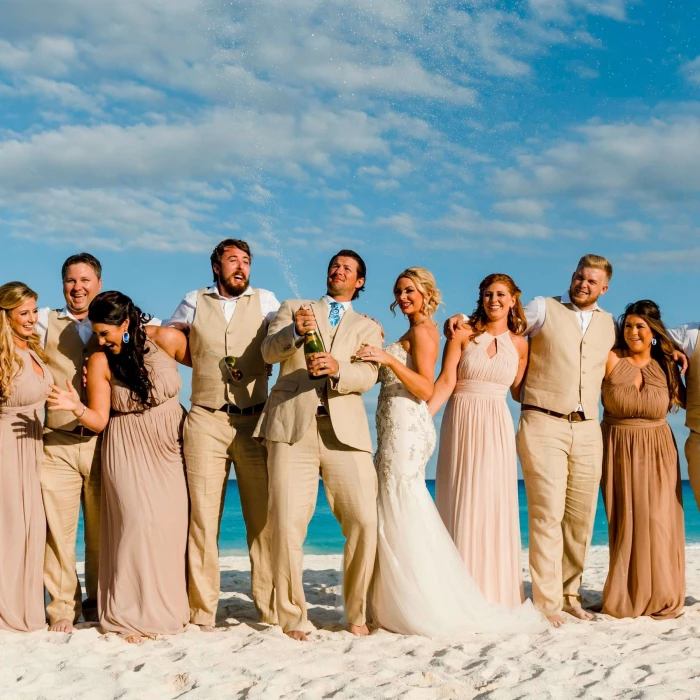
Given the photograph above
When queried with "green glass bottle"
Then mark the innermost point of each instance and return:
(313, 343)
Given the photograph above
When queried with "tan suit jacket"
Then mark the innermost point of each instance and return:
(293, 400)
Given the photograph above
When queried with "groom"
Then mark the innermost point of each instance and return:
(319, 426)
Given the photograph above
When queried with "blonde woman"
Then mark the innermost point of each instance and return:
(421, 585)
(24, 381)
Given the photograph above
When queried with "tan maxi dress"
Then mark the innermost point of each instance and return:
(22, 519)
(141, 582)
(642, 493)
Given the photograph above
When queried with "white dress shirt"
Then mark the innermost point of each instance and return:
(536, 311)
(686, 336)
(183, 318)
(84, 327)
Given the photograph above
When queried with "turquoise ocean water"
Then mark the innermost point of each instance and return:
(324, 536)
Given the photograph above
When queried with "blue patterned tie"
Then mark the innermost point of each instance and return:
(334, 317)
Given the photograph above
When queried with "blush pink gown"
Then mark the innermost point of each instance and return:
(476, 485)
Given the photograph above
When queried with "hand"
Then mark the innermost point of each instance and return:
(681, 360)
(381, 328)
(322, 364)
(453, 324)
(84, 375)
(304, 320)
(62, 400)
(370, 353)
(268, 369)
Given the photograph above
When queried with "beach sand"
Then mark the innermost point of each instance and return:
(604, 659)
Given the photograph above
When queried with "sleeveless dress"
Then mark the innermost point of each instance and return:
(477, 480)
(642, 493)
(420, 584)
(141, 582)
(22, 519)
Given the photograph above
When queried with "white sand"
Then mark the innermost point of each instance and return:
(604, 659)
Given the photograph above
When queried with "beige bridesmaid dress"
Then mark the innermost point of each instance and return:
(22, 519)
(476, 490)
(141, 583)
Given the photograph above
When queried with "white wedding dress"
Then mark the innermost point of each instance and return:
(421, 585)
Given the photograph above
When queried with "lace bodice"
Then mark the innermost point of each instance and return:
(405, 432)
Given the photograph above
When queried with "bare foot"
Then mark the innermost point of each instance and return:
(65, 626)
(359, 630)
(298, 635)
(580, 613)
(556, 620)
(134, 639)
(206, 628)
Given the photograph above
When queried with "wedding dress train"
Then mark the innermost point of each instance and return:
(421, 585)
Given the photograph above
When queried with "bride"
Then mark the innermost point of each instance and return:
(420, 585)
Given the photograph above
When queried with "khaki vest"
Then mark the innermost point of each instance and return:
(692, 410)
(66, 357)
(566, 368)
(212, 339)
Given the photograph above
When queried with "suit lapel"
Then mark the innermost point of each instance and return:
(320, 309)
(346, 323)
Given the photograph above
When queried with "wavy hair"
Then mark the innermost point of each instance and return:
(517, 322)
(12, 295)
(662, 352)
(128, 366)
(426, 285)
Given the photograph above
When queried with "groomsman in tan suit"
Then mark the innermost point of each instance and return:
(70, 475)
(687, 337)
(228, 319)
(559, 440)
(319, 426)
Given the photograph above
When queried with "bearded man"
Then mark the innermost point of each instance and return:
(226, 324)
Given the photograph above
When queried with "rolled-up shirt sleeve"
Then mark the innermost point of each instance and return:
(535, 313)
(270, 305)
(686, 336)
(184, 314)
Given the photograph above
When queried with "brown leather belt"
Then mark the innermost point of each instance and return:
(80, 430)
(248, 411)
(573, 417)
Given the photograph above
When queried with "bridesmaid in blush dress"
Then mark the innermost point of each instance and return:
(24, 381)
(641, 474)
(141, 583)
(476, 486)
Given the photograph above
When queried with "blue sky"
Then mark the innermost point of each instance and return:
(469, 137)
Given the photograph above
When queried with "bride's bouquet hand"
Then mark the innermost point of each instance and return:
(370, 353)
(62, 400)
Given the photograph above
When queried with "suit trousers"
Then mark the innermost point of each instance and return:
(692, 454)
(213, 440)
(562, 464)
(350, 482)
(70, 477)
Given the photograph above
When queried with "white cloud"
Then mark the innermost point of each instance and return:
(523, 208)
(691, 71)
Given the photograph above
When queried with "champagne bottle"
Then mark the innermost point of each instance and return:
(313, 343)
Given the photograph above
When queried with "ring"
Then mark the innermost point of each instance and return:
(323, 366)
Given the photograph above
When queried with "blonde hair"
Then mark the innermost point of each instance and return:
(12, 295)
(597, 262)
(425, 284)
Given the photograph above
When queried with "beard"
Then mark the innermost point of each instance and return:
(234, 287)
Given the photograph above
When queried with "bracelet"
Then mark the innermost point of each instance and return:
(83, 412)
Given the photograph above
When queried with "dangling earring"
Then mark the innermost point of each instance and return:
(126, 338)
(653, 341)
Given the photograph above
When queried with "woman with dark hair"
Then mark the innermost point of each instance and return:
(641, 474)
(133, 389)
(477, 487)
